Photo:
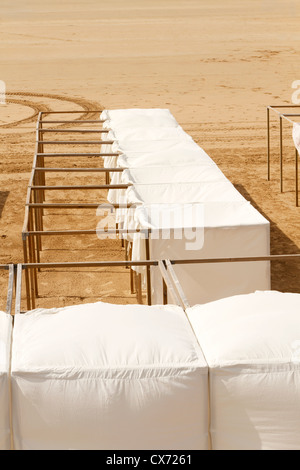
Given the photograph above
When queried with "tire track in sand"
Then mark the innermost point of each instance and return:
(23, 99)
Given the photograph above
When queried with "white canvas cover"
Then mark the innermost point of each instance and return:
(147, 136)
(175, 162)
(124, 134)
(252, 346)
(184, 174)
(220, 230)
(244, 233)
(164, 174)
(5, 345)
(183, 193)
(172, 193)
(179, 154)
(150, 145)
(138, 117)
(103, 376)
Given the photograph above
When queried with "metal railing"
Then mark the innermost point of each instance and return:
(36, 203)
(167, 267)
(167, 285)
(282, 117)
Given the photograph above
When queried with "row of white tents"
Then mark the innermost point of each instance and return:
(220, 374)
(191, 208)
(223, 376)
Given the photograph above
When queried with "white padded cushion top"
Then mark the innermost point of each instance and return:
(164, 174)
(103, 336)
(122, 135)
(136, 117)
(180, 155)
(253, 329)
(184, 193)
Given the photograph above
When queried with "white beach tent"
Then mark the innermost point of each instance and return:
(103, 376)
(208, 230)
(252, 346)
(230, 226)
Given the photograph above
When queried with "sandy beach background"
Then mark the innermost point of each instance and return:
(215, 64)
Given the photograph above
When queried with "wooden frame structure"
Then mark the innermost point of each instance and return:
(282, 117)
(33, 227)
(11, 284)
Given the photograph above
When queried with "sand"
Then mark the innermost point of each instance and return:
(215, 64)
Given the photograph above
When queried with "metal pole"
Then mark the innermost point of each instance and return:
(74, 131)
(237, 260)
(76, 142)
(281, 159)
(92, 111)
(268, 135)
(80, 154)
(80, 170)
(77, 121)
(81, 187)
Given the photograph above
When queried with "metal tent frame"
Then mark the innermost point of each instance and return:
(167, 286)
(288, 118)
(33, 227)
(167, 267)
(171, 286)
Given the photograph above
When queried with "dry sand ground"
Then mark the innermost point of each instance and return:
(215, 64)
